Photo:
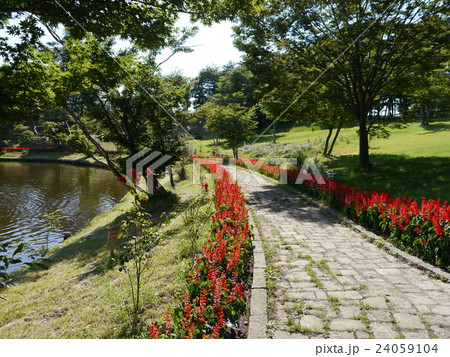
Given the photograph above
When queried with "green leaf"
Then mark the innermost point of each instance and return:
(19, 249)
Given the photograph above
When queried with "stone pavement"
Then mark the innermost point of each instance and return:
(324, 280)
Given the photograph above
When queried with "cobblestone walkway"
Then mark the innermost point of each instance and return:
(325, 280)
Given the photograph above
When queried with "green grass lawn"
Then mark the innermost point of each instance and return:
(414, 160)
(80, 296)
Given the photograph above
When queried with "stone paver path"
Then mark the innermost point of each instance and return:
(325, 280)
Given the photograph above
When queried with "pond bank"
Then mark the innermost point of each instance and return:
(75, 159)
(32, 191)
(81, 296)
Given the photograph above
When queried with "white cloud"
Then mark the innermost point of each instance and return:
(212, 46)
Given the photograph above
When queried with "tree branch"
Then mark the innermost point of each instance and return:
(109, 164)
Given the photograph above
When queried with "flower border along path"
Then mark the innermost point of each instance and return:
(215, 300)
(422, 231)
(326, 280)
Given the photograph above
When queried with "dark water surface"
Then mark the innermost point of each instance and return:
(30, 190)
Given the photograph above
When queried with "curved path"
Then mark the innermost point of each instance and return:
(325, 280)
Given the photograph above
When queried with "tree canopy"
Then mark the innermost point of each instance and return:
(232, 122)
(149, 24)
(363, 51)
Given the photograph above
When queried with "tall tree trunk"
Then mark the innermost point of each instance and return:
(330, 132)
(172, 182)
(235, 153)
(364, 160)
(274, 139)
(425, 116)
(330, 150)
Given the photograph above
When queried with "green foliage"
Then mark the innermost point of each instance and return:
(150, 25)
(6, 260)
(274, 153)
(194, 218)
(233, 122)
(96, 95)
(26, 85)
(204, 85)
(431, 94)
(136, 253)
(358, 56)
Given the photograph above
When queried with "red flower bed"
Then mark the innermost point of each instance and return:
(423, 230)
(215, 299)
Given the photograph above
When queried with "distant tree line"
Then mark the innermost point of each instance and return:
(373, 64)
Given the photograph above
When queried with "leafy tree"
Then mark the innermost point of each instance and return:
(233, 122)
(51, 126)
(431, 93)
(99, 96)
(326, 112)
(25, 85)
(236, 85)
(363, 50)
(121, 99)
(230, 85)
(204, 85)
(148, 24)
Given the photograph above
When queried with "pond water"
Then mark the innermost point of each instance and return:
(30, 190)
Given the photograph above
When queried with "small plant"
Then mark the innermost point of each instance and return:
(272, 275)
(6, 260)
(299, 308)
(194, 218)
(270, 328)
(136, 254)
(181, 170)
(225, 159)
(324, 266)
(365, 306)
(359, 287)
(310, 271)
(364, 319)
(53, 223)
(334, 300)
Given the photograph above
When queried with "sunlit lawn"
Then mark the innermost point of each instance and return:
(414, 160)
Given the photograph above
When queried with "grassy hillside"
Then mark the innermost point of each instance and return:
(80, 296)
(414, 160)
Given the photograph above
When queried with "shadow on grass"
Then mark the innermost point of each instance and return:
(95, 243)
(435, 127)
(282, 129)
(401, 175)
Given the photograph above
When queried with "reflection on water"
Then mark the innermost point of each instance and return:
(30, 190)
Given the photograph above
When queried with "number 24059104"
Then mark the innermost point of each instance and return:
(406, 348)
